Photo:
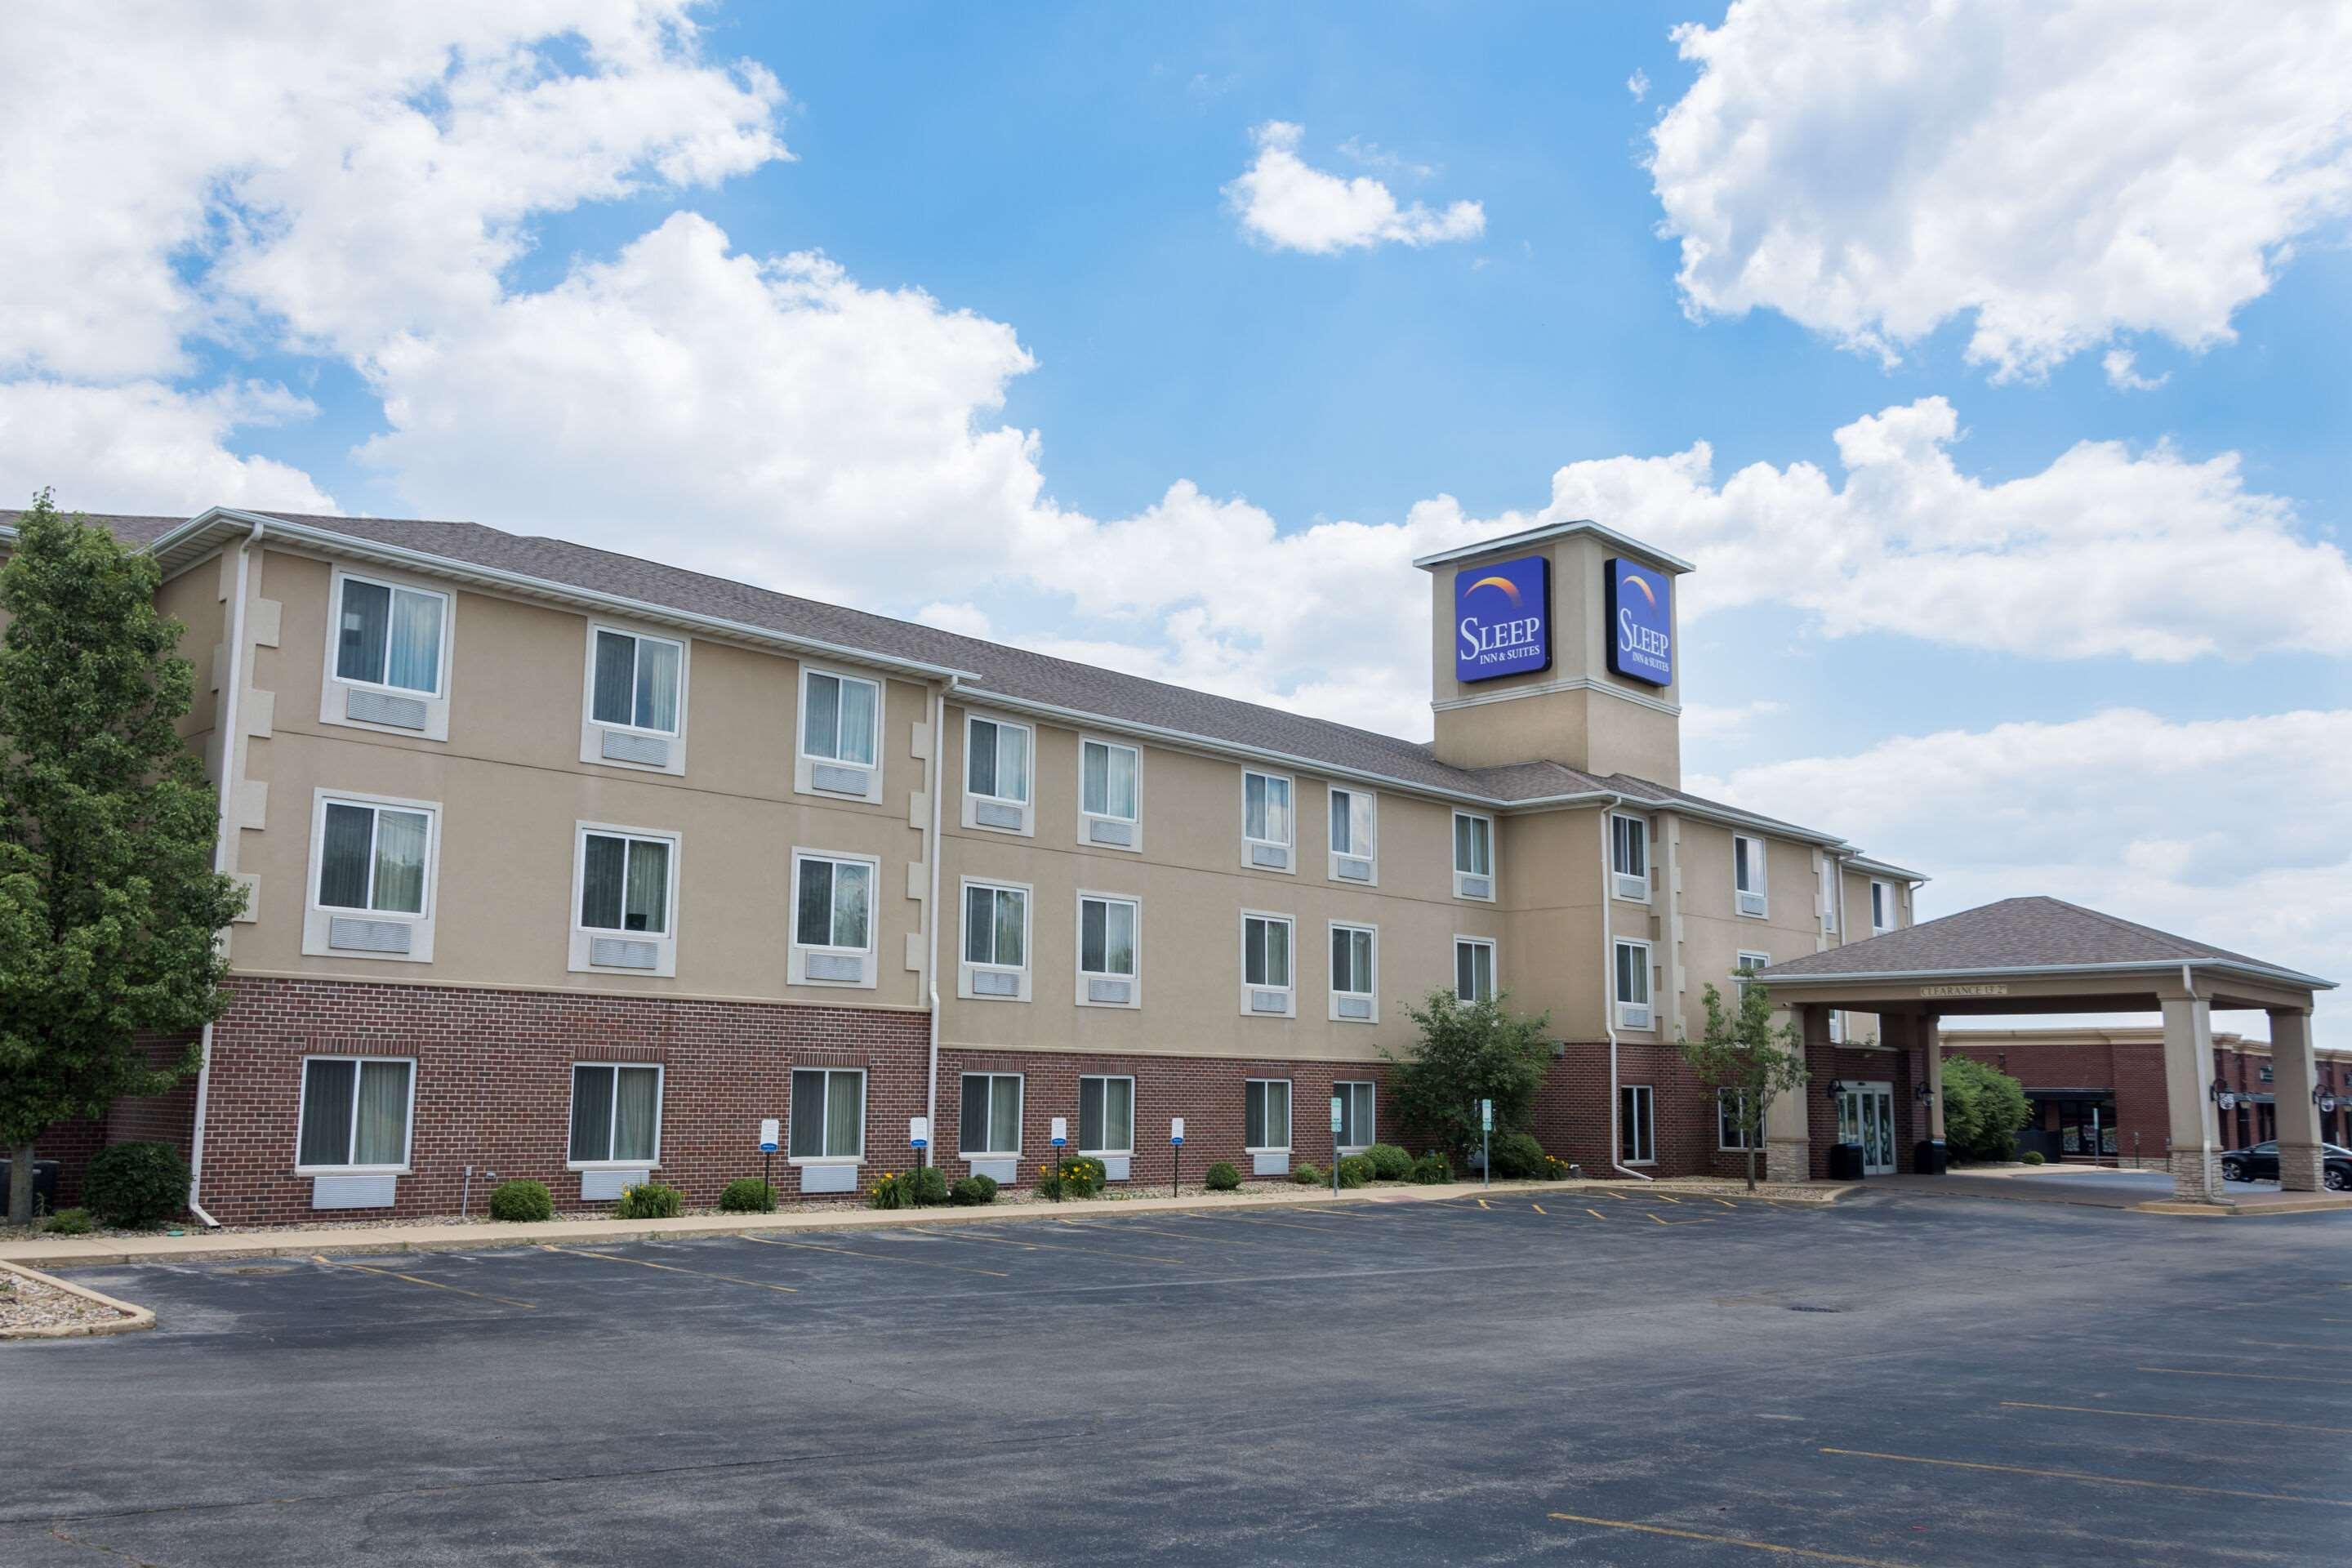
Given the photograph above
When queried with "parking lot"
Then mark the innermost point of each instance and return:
(1597, 1379)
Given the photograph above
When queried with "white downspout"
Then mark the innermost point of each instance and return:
(230, 724)
(932, 909)
(1609, 990)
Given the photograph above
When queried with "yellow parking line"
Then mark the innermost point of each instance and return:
(1053, 1247)
(417, 1280)
(1619, 1196)
(1729, 1541)
(1482, 1202)
(877, 1256)
(1727, 1203)
(2098, 1480)
(1541, 1209)
(2168, 1416)
(1596, 1213)
(2253, 1376)
(1664, 1197)
(672, 1268)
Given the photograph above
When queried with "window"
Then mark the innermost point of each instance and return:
(616, 1114)
(1829, 895)
(1636, 1134)
(1107, 928)
(1265, 963)
(1882, 907)
(1473, 969)
(996, 775)
(1628, 856)
(1106, 1116)
(373, 858)
(1355, 1126)
(390, 636)
(1353, 836)
(1633, 984)
(1837, 1028)
(1354, 984)
(1747, 873)
(624, 883)
(635, 680)
(828, 1120)
(832, 919)
(995, 940)
(1749, 964)
(355, 1114)
(1109, 809)
(1265, 1115)
(990, 1123)
(1265, 821)
(1474, 856)
(841, 722)
(1731, 1125)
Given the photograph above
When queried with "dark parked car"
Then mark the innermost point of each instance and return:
(2260, 1163)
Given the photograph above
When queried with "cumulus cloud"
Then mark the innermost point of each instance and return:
(1638, 84)
(142, 446)
(1287, 204)
(2056, 172)
(2121, 367)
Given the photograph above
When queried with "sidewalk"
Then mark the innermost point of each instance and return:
(96, 1251)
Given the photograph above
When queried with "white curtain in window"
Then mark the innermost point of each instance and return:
(1012, 908)
(636, 1113)
(1005, 1115)
(415, 662)
(648, 887)
(852, 894)
(845, 1113)
(380, 1135)
(657, 695)
(857, 723)
(400, 837)
(1119, 1119)
(1012, 762)
(1109, 783)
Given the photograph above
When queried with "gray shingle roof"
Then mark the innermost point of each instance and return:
(2013, 933)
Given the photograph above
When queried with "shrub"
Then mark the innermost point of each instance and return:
(747, 1194)
(136, 1184)
(2031, 1157)
(1463, 1052)
(649, 1200)
(928, 1184)
(1431, 1170)
(1308, 1174)
(1223, 1178)
(523, 1203)
(69, 1222)
(925, 1184)
(1355, 1170)
(1516, 1156)
(973, 1190)
(1080, 1178)
(1389, 1163)
(1983, 1109)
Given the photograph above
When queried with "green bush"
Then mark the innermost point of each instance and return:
(1983, 1109)
(1431, 1170)
(1080, 1178)
(522, 1203)
(747, 1194)
(649, 1200)
(1223, 1178)
(922, 1186)
(2031, 1157)
(973, 1190)
(68, 1222)
(1308, 1174)
(136, 1184)
(1389, 1163)
(1355, 1170)
(1517, 1157)
(929, 1186)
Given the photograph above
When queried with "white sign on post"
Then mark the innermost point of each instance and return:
(1061, 1131)
(1175, 1130)
(918, 1132)
(770, 1135)
(1337, 1117)
(1485, 1116)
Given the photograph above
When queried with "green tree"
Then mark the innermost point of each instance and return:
(1743, 1053)
(1466, 1052)
(109, 902)
(1983, 1109)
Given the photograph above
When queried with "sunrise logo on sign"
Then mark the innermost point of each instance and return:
(1502, 619)
(1641, 622)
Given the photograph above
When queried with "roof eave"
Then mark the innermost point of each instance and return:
(1674, 565)
(2130, 966)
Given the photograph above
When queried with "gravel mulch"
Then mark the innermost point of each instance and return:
(36, 1304)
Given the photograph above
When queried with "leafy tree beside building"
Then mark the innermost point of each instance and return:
(1466, 1052)
(109, 905)
(1746, 1061)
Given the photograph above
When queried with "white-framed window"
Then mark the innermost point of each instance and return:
(840, 749)
(828, 1116)
(1358, 1128)
(1628, 856)
(1267, 983)
(1637, 1132)
(996, 786)
(1355, 836)
(615, 1115)
(1747, 875)
(1633, 988)
(356, 1114)
(1474, 856)
(388, 656)
(1265, 1116)
(1744, 973)
(833, 918)
(996, 964)
(1882, 907)
(1829, 895)
(1110, 934)
(1355, 973)
(1106, 1115)
(991, 1121)
(634, 701)
(1110, 793)
(375, 866)
(1837, 1028)
(1473, 969)
(1266, 827)
(1730, 1126)
(624, 900)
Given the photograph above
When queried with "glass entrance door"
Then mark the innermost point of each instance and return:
(1867, 1116)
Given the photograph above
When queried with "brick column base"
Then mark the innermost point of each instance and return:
(2196, 1178)
(2299, 1167)
(1787, 1160)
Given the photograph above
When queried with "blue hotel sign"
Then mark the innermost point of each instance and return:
(1641, 622)
(1502, 619)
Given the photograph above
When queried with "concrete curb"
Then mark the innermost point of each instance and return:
(111, 1251)
(2315, 1203)
(130, 1320)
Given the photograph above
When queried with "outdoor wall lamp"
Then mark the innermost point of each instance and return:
(2219, 1094)
(1921, 1092)
(1836, 1090)
(2322, 1098)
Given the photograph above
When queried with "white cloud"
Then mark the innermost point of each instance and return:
(1289, 204)
(2237, 832)
(2058, 171)
(1710, 722)
(2121, 367)
(143, 447)
(1638, 84)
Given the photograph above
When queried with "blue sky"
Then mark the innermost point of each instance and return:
(1071, 372)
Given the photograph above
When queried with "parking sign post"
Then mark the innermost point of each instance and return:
(769, 1135)
(1176, 1141)
(918, 1138)
(1334, 1145)
(1486, 1141)
(1061, 1138)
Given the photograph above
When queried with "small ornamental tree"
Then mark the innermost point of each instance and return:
(1466, 1052)
(109, 902)
(1743, 1055)
(1983, 1109)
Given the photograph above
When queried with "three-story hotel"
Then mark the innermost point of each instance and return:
(573, 866)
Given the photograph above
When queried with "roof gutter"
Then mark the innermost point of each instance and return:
(1609, 993)
(2141, 966)
(931, 916)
